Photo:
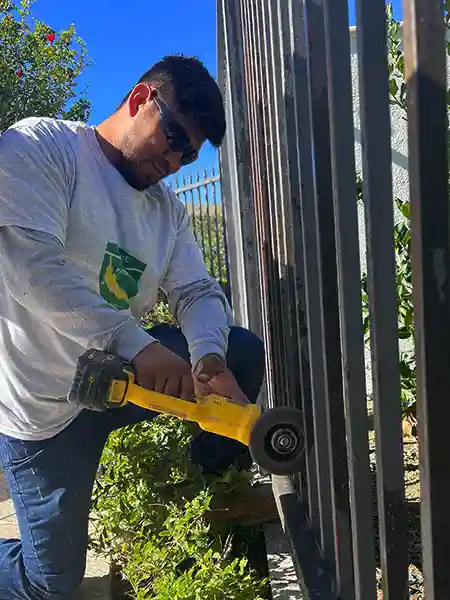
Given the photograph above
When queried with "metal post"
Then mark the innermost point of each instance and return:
(236, 184)
(425, 65)
(323, 183)
(378, 201)
(349, 279)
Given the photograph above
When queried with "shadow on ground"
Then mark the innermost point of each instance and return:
(93, 588)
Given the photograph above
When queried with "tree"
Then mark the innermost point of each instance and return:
(39, 68)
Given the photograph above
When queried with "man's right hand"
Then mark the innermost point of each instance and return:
(160, 370)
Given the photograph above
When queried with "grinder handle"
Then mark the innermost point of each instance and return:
(94, 377)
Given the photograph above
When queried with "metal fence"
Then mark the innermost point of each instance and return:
(201, 194)
(289, 187)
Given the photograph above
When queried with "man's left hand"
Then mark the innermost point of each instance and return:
(211, 376)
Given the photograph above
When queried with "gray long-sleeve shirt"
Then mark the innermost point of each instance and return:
(82, 256)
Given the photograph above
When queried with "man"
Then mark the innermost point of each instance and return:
(88, 235)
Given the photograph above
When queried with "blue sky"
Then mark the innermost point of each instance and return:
(124, 39)
(397, 6)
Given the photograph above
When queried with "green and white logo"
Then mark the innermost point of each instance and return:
(119, 276)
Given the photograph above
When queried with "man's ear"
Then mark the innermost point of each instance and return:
(140, 95)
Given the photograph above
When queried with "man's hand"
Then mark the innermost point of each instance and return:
(161, 370)
(211, 376)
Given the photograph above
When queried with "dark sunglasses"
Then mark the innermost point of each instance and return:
(176, 134)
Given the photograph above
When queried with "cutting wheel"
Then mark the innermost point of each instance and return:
(277, 443)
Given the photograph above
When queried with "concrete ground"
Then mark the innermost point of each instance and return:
(283, 578)
(96, 583)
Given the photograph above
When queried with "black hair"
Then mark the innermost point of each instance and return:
(194, 90)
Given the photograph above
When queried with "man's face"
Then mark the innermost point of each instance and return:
(157, 140)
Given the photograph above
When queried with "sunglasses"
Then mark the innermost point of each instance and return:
(176, 134)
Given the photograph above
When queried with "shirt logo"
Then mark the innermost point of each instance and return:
(119, 276)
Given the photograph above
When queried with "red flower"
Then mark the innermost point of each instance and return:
(51, 37)
(19, 72)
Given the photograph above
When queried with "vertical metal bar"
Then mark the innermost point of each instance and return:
(379, 212)
(262, 165)
(301, 127)
(197, 189)
(255, 121)
(349, 278)
(209, 226)
(329, 282)
(275, 197)
(236, 180)
(313, 575)
(300, 93)
(193, 216)
(284, 198)
(425, 65)
(181, 196)
(290, 159)
(221, 274)
(264, 146)
(228, 268)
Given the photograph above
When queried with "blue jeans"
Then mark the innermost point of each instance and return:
(51, 480)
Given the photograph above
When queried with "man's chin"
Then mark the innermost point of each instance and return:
(141, 186)
(141, 183)
(138, 181)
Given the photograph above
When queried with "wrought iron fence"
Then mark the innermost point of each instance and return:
(289, 186)
(201, 194)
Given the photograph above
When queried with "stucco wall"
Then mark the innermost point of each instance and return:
(399, 137)
(398, 131)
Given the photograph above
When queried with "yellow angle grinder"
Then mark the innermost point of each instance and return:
(275, 439)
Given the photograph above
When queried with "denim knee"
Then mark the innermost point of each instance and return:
(62, 587)
(246, 360)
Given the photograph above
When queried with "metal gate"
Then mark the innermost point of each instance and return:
(289, 188)
(202, 197)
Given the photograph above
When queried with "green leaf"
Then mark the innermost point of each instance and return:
(393, 87)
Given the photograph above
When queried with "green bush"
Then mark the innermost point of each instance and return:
(149, 515)
(39, 67)
(159, 314)
(180, 562)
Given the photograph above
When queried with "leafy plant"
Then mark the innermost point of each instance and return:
(396, 62)
(181, 563)
(159, 314)
(150, 516)
(39, 67)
